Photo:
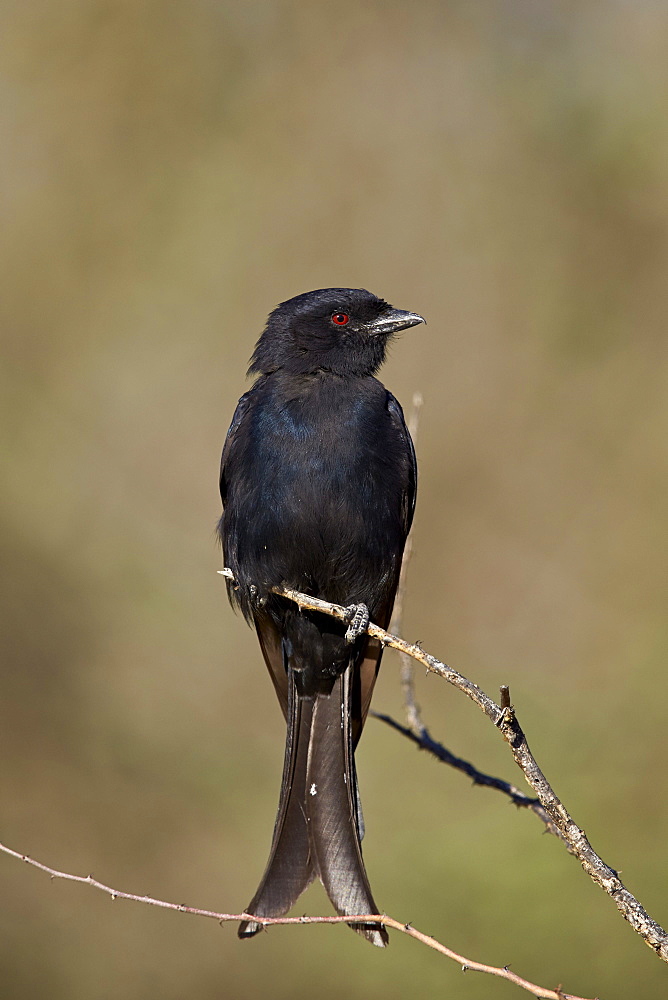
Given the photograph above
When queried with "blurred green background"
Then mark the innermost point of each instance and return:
(169, 173)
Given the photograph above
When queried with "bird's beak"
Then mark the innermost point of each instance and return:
(393, 321)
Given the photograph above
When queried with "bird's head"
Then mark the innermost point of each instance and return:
(340, 330)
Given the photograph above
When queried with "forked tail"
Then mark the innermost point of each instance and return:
(317, 831)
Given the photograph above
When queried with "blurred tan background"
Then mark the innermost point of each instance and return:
(169, 173)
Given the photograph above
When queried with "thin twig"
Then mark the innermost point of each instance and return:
(407, 671)
(506, 722)
(466, 964)
(415, 728)
(425, 741)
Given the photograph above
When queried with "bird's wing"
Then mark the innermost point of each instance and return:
(370, 662)
(271, 645)
(239, 414)
(367, 672)
(410, 492)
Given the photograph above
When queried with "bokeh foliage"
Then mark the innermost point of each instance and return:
(170, 172)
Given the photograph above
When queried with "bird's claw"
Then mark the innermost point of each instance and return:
(357, 616)
(258, 601)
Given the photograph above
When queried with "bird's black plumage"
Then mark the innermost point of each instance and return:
(318, 482)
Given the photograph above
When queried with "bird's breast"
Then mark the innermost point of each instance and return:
(319, 505)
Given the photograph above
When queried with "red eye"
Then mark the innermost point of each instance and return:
(340, 319)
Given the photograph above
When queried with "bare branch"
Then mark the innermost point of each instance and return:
(425, 741)
(504, 718)
(506, 722)
(407, 672)
(466, 964)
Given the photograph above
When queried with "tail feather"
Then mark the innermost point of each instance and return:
(289, 869)
(318, 826)
(335, 822)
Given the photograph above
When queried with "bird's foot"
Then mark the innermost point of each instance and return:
(258, 602)
(357, 616)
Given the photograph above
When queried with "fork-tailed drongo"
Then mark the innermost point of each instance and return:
(318, 482)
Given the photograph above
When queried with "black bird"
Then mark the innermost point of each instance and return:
(318, 481)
